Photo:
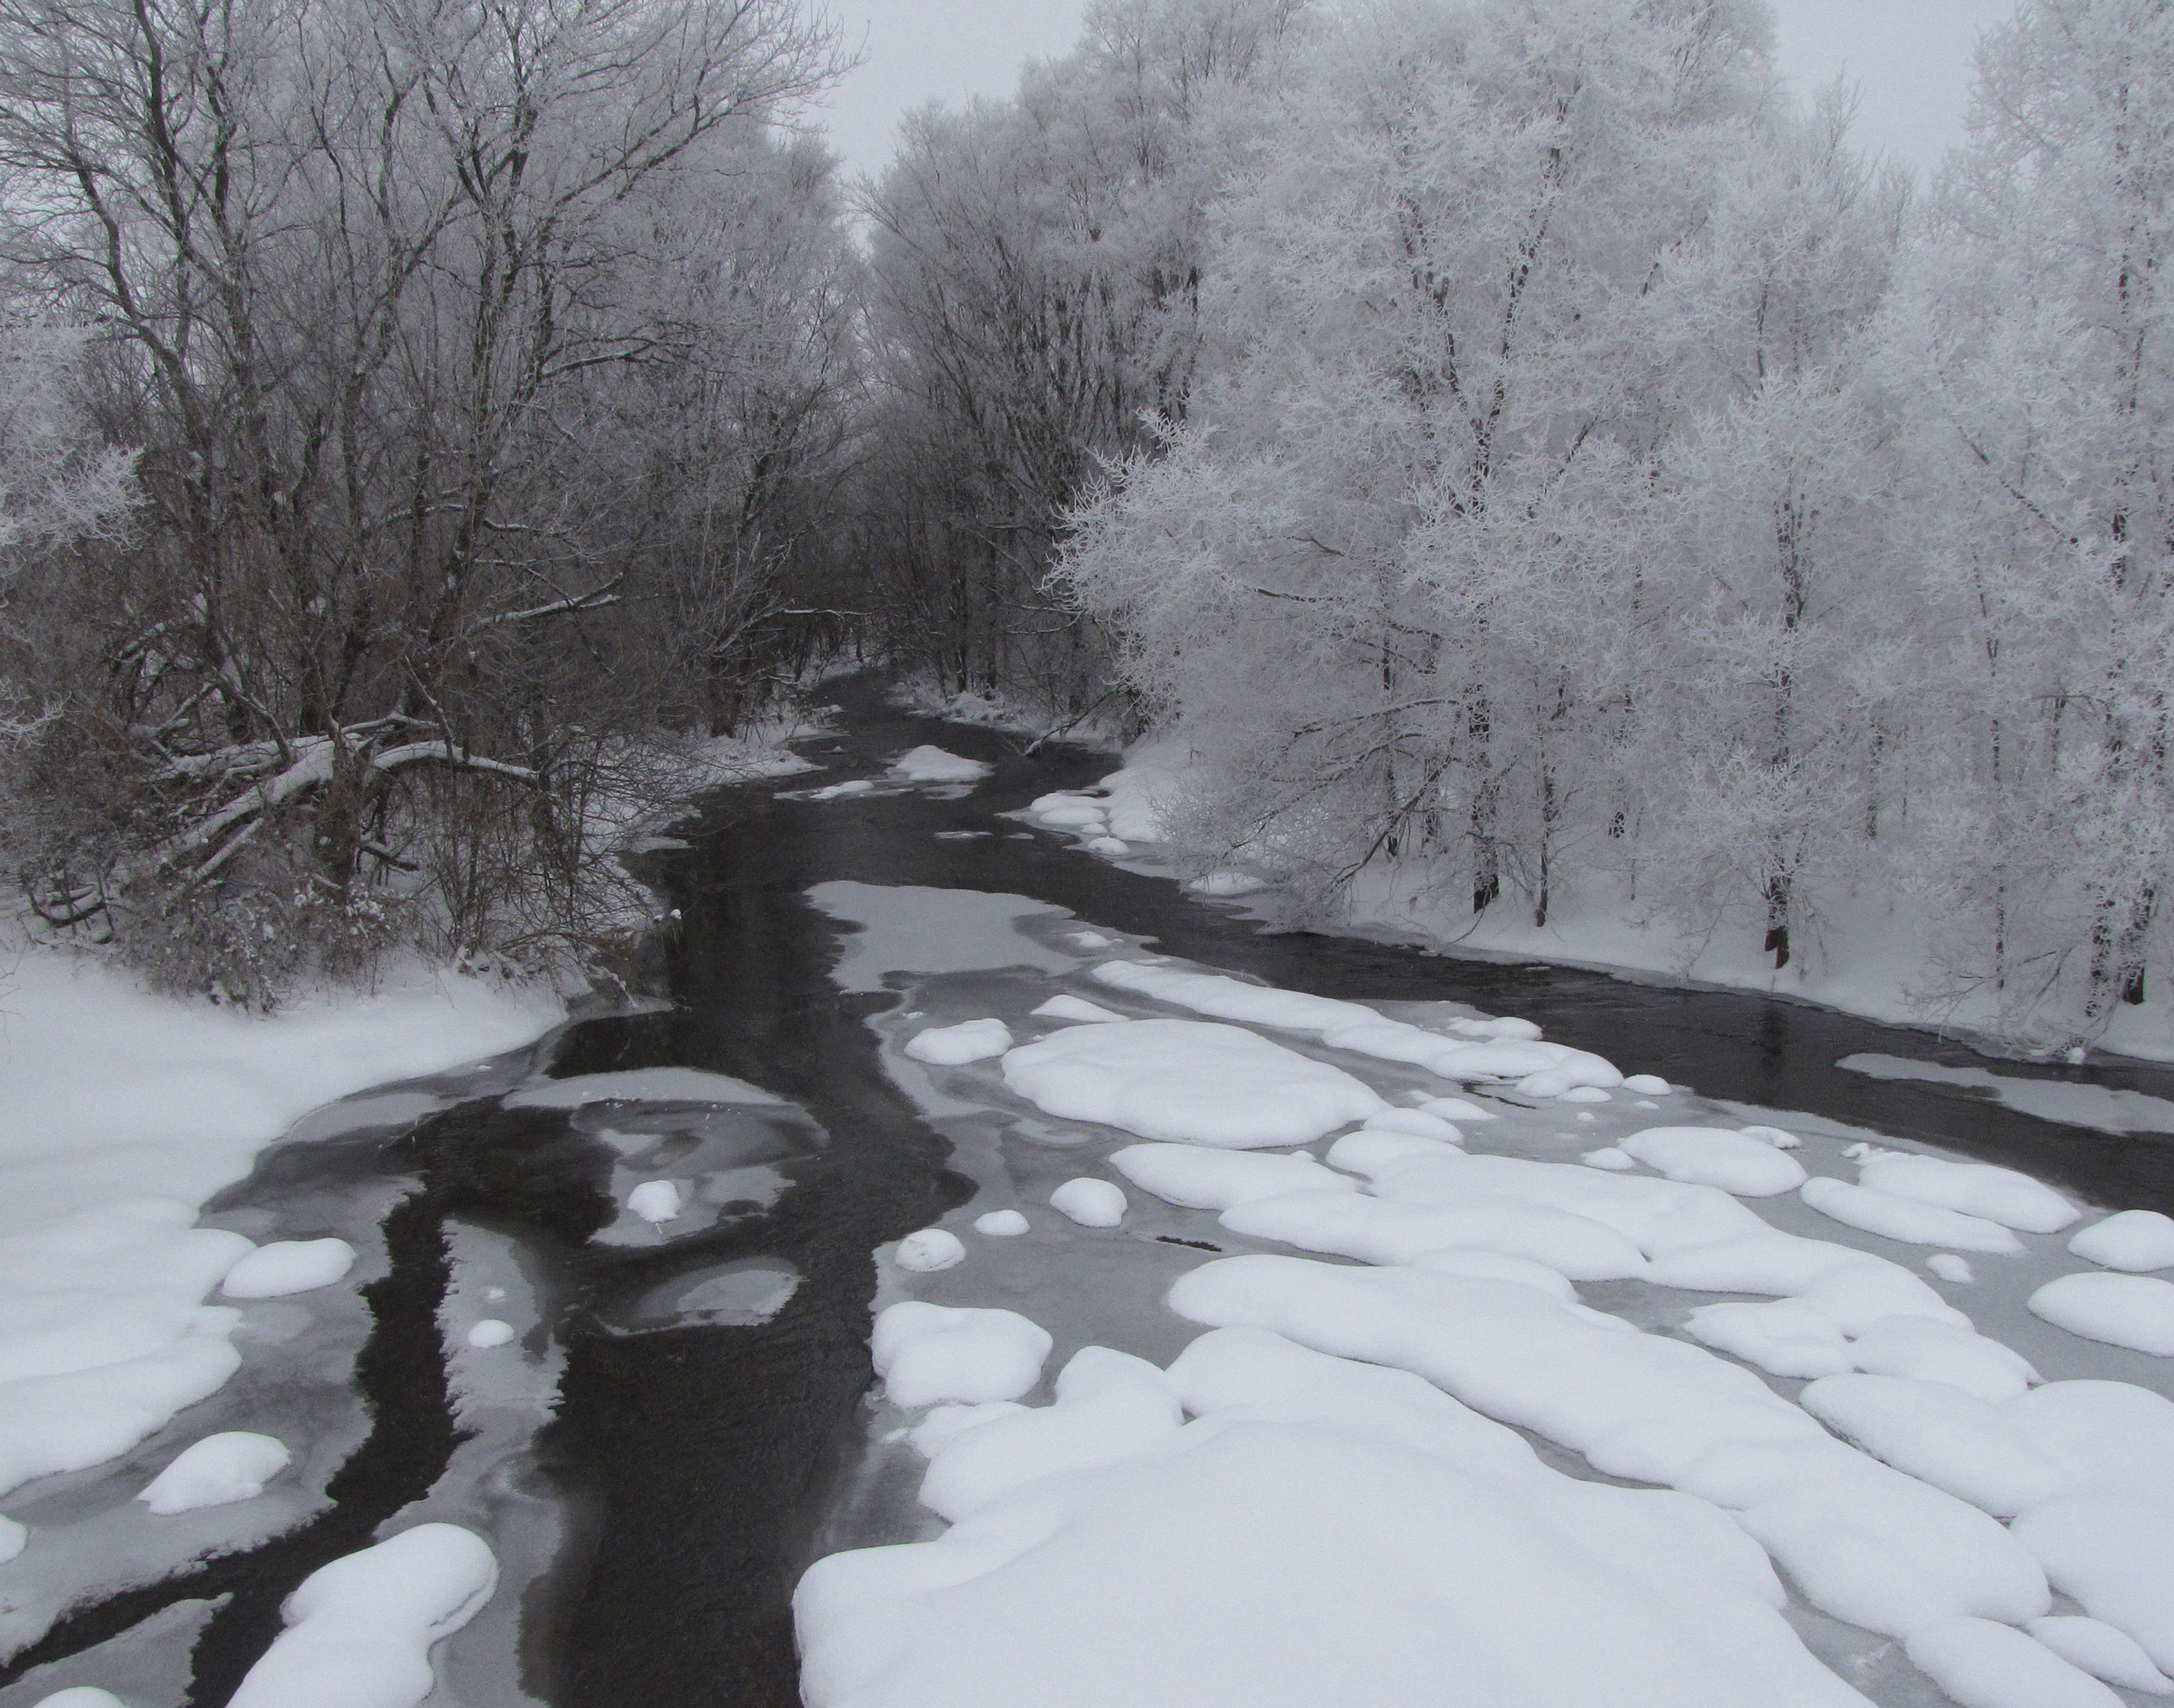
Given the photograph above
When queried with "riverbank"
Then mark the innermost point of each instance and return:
(1875, 954)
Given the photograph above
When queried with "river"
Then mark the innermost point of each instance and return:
(689, 1465)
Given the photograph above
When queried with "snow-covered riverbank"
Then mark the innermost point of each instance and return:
(1876, 953)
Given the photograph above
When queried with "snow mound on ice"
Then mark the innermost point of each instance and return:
(489, 1332)
(1975, 1188)
(1499, 1049)
(360, 1630)
(1714, 1157)
(102, 1339)
(638, 1085)
(1613, 1158)
(1419, 1123)
(1187, 1080)
(1322, 1531)
(931, 765)
(82, 1696)
(655, 1201)
(1984, 1665)
(930, 1250)
(1063, 1007)
(927, 1352)
(1950, 1267)
(1091, 1203)
(1861, 1541)
(1944, 1436)
(1218, 1180)
(2133, 1310)
(1880, 1212)
(1001, 1225)
(1785, 1336)
(289, 1266)
(2102, 1652)
(232, 1466)
(953, 1046)
(2132, 1239)
(1647, 1084)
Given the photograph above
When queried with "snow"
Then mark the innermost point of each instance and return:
(1187, 1080)
(1783, 1336)
(655, 1201)
(2131, 1239)
(1453, 1109)
(1647, 1084)
(834, 791)
(1321, 1531)
(82, 1696)
(1950, 1267)
(927, 1352)
(289, 1266)
(2104, 1652)
(1975, 1188)
(1980, 1664)
(1074, 1008)
(1613, 1158)
(1001, 1225)
(1714, 1157)
(121, 1113)
(931, 765)
(1218, 1180)
(1861, 1541)
(2132, 1310)
(489, 1332)
(930, 1250)
(1779, 1138)
(953, 1047)
(360, 1630)
(638, 1085)
(1417, 1122)
(233, 1465)
(1376, 1231)
(1226, 882)
(1952, 1439)
(13, 1538)
(1917, 1224)
(1137, 796)
(2103, 1107)
(1091, 1203)
(1498, 1049)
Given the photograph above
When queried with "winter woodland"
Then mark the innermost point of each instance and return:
(1516, 450)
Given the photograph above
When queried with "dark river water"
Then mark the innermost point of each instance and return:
(697, 1463)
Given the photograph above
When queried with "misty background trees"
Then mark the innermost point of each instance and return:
(1526, 459)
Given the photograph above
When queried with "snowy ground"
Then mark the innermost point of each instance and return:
(1295, 1351)
(126, 1325)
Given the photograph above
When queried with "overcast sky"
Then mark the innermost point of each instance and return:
(1912, 58)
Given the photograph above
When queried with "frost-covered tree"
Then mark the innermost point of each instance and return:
(1035, 284)
(1431, 445)
(2043, 329)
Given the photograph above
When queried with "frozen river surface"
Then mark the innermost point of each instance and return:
(1364, 1425)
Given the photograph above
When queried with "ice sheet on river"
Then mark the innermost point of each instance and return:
(1257, 1542)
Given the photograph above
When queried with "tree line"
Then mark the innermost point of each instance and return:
(480, 367)
(1523, 453)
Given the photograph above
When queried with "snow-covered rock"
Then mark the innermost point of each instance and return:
(927, 1352)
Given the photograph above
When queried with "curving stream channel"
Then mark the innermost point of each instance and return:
(683, 1425)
